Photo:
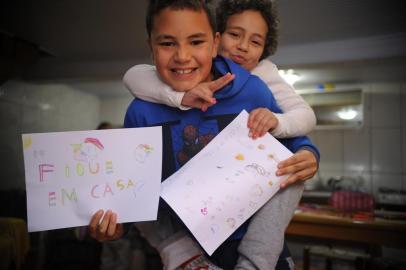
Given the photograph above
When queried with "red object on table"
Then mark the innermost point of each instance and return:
(352, 201)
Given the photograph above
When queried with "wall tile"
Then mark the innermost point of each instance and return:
(357, 155)
(10, 116)
(360, 181)
(37, 120)
(114, 109)
(385, 106)
(403, 157)
(11, 161)
(330, 144)
(386, 150)
(322, 179)
(367, 100)
(403, 105)
(404, 182)
(314, 136)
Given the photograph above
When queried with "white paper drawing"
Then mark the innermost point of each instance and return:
(226, 183)
(70, 175)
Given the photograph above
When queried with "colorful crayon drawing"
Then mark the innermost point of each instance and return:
(142, 152)
(231, 222)
(256, 190)
(261, 147)
(239, 156)
(87, 150)
(273, 157)
(214, 228)
(258, 169)
(27, 142)
(204, 211)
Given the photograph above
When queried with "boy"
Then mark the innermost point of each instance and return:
(183, 43)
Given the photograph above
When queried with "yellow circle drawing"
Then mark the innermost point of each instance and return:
(27, 142)
(239, 157)
(231, 222)
(270, 183)
(256, 190)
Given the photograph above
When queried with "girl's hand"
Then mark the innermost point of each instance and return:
(302, 166)
(107, 229)
(201, 97)
(260, 121)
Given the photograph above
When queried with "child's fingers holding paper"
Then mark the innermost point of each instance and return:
(94, 223)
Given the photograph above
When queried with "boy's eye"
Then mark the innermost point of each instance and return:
(166, 44)
(197, 42)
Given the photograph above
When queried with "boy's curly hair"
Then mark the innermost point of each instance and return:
(228, 8)
(156, 6)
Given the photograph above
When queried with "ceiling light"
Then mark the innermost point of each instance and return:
(290, 76)
(347, 114)
(44, 106)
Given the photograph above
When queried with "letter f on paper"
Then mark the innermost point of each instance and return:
(44, 168)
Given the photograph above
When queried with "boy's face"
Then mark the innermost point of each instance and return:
(183, 46)
(243, 40)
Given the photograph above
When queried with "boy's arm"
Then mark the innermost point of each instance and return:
(298, 118)
(142, 81)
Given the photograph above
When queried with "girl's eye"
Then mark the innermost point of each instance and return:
(233, 34)
(257, 43)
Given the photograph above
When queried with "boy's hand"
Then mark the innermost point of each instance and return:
(201, 97)
(260, 121)
(107, 229)
(302, 165)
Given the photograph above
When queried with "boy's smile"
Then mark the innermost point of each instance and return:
(183, 46)
(243, 40)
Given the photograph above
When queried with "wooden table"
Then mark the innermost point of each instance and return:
(382, 232)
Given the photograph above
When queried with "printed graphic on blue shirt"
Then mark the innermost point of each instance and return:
(189, 138)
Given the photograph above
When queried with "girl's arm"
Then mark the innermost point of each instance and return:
(142, 81)
(298, 118)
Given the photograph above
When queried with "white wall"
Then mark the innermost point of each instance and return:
(31, 108)
(376, 152)
(113, 110)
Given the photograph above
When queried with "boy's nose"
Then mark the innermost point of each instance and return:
(182, 55)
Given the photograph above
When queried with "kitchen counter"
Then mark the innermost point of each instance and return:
(325, 223)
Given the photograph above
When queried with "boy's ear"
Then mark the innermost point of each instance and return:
(216, 44)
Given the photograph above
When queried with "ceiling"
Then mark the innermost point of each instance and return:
(339, 41)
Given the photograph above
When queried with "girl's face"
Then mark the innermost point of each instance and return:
(243, 40)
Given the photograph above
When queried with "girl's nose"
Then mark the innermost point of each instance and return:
(243, 44)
